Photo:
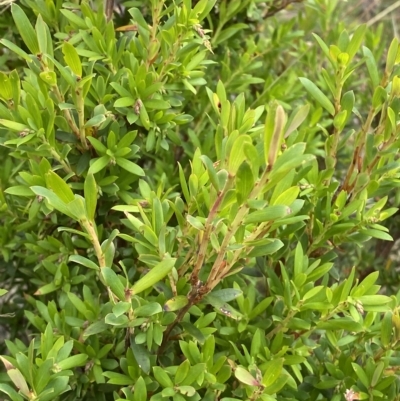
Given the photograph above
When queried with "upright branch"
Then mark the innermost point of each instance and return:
(279, 5)
(109, 9)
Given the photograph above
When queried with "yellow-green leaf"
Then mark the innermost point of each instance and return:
(244, 182)
(72, 59)
(318, 95)
(90, 190)
(5, 87)
(19, 381)
(59, 187)
(237, 155)
(25, 29)
(176, 303)
(272, 371)
(113, 281)
(13, 125)
(287, 197)
(156, 274)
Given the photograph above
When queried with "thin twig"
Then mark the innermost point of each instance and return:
(276, 7)
(109, 9)
(383, 13)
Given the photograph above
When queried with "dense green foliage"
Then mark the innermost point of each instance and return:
(196, 200)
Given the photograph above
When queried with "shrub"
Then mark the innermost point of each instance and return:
(163, 242)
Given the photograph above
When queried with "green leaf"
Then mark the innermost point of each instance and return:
(318, 95)
(207, 9)
(14, 396)
(260, 307)
(5, 87)
(327, 383)
(126, 208)
(229, 32)
(162, 377)
(182, 372)
(118, 379)
(77, 208)
(347, 286)
(121, 307)
(376, 377)
(176, 303)
(195, 223)
(183, 182)
(95, 121)
(267, 249)
(72, 59)
(17, 50)
(377, 234)
(72, 362)
(226, 294)
(365, 285)
(313, 292)
(297, 120)
(130, 166)
(99, 164)
(14, 125)
(25, 29)
(371, 66)
(391, 55)
(286, 159)
(140, 390)
(19, 381)
(374, 299)
(356, 41)
(150, 309)
(287, 197)
(156, 104)
(113, 320)
(273, 370)
(212, 174)
(223, 307)
(20, 190)
(144, 117)
(386, 329)
(90, 191)
(273, 132)
(41, 32)
(323, 46)
(47, 289)
(319, 272)
(100, 148)
(95, 328)
(83, 261)
(298, 260)
(156, 274)
(268, 214)
(124, 102)
(50, 77)
(72, 17)
(340, 324)
(113, 281)
(142, 357)
(59, 187)
(361, 374)
(244, 182)
(53, 200)
(65, 73)
(245, 377)
(237, 155)
(78, 303)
